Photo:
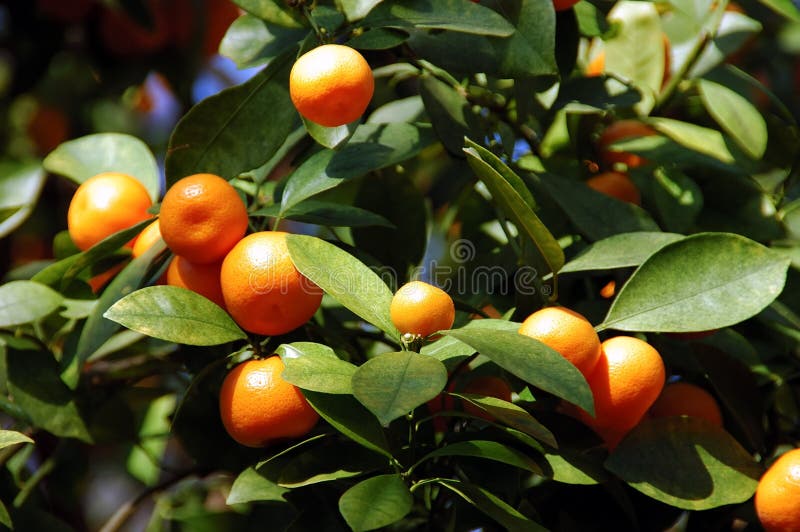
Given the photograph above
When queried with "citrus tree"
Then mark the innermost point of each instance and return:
(437, 265)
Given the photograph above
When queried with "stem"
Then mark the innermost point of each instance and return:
(321, 33)
(45, 469)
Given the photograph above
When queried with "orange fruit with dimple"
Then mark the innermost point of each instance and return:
(262, 289)
(686, 399)
(331, 85)
(421, 309)
(202, 218)
(777, 498)
(199, 278)
(105, 204)
(567, 332)
(258, 406)
(621, 130)
(617, 185)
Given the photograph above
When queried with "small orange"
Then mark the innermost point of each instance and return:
(597, 65)
(686, 399)
(202, 218)
(617, 185)
(778, 494)
(421, 309)
(105, 204)
(149, 236)
(263, 291)
(620, 130)
(490, 386)
(257, 406)
(627, 380)
(567, 332)
(608, 290)
(199, 278)
(331, 85)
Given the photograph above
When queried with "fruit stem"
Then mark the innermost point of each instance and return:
(321, 32)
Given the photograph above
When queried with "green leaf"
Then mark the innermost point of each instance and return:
(144, 460)
(677, 197)
(274, 11)
(513, 197)
(315, 367)
(454, 15)
(26, 301)
(701, 139)
(349, 417)
(376, 502)
(620, 251)
(20, 186)
(531, 361)
(393, 384)
(357, 9)
(703, 282)
(736, 116)
(512, 415)
(452, 351)
(5, 518)
(491, 505)
(573, 467)
(685, 462)
(176, 315)
(327, 213)
(330, 137)
(330, 462)
(251, 486)
(785, 8)
(12, 437)
(449, 111)
(84, 157)
(489, 450)
(378, 39)
(236, 130)
(251, 41)
(345, 278)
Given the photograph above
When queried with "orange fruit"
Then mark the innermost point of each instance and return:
(597, 65)
(626, 381)
(617, 185)
(608, 291)
(149, 236)
(567, 332)
(421, 309)
(778, 494)
(686, 399)
(490, 386)
(125, 37)
(105, 204)
(563, 5)
(199, 278)
(622, 129)
(202, 218)
(263, 291)
(257, 406)
(331, 85)
(99, 281)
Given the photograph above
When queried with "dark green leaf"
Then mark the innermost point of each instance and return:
(511, 415)
(451, 351)
(393, 384)
(449, 110)
(317, 368)
(573, 467)
(376, 502)
(786, 8)
(326, 463)
(736, 116)
(703, 282)
(12, 437)
(489, 450)
(591, 21)
(685, 462)
(493, 506)
(454, 15)
(378, 39)
(250, 486)
(620, 251)
(20, 186)
(678, 199)
(327, 213)
(251, 41)
(25, 302)
(274, 11)
(5, 518)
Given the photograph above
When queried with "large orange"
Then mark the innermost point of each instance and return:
(200, 278)
(331, 85)
(626, 381)
(257, 406)
(621, 130)
(202, 218)
(778, 494)
(421, 309)
(617, 185)
(263, 291)
(105, 204)
(149, 236)
(567, 332)
(686, 399)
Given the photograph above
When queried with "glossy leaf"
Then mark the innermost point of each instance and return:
(26, 301)
(327, 213)
(330, 137)
(452, 351)
(20, 186)
(573, 467)
(357, 9)
(491, 505)
(678, 199)
(736, 116)
(327, 463)
(488, 450)
(701, 139)
(510, 414)
(311, 368)
(685, 462)
(451, 15)
(251, 41)
(620, 251)
(376, 502)
(12, 437)
(703, 282)
(251, 486)
(393, 384)
(274, 11)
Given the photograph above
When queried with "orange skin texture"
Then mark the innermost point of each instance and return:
(258, 406)
(422, 309)
(617, 185)
(124, 37)
(331, 85)
(262, 289)
(622, 129)
(686, 399)
(149, 236)
(597, 65)
(202, 279)
(202, 218)
(778, 494)
(104, 204)
(625, 383)
(563, 5)
(567, 332)
(490, 386)
(608, 291)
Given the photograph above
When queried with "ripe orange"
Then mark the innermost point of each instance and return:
(99, 281)
(488, 385)
(200, 278)
(105, 204)
(627, 380)
(622, 129)
(331, 85)
(563, 5)
(608, 291)
(567, 332)
(149, 236)
(778, 494)
(421, 309)
(263, 291)
(597, 65)
(257, 406)
(202, 218)
(686, 399)
(617, 185)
